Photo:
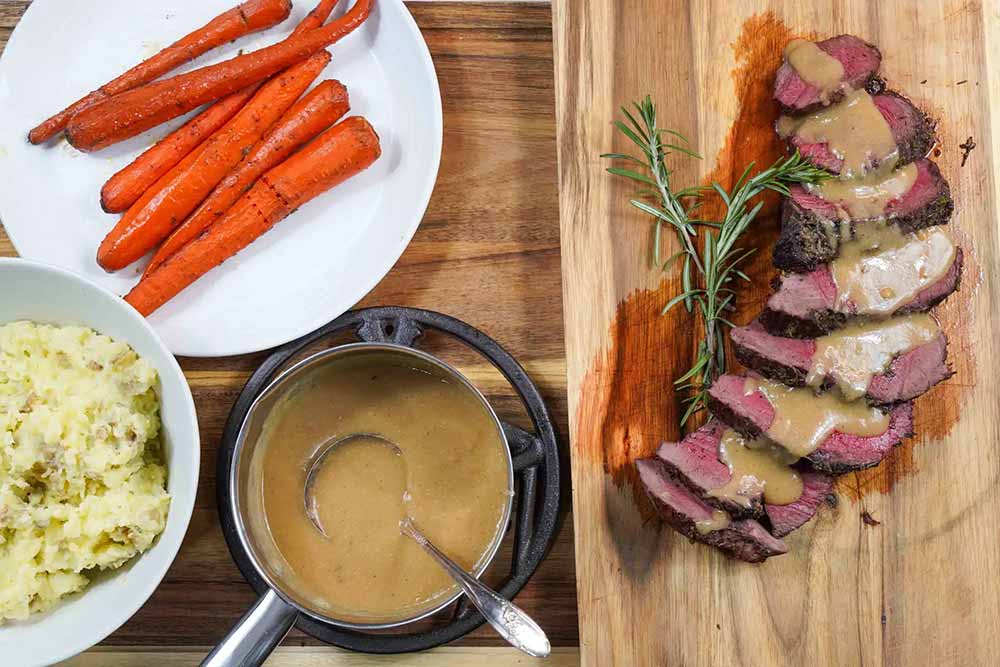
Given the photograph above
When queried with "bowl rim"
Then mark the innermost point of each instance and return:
(276, 385)
(180, 512)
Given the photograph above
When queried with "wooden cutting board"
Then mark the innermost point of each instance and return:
(923, 585)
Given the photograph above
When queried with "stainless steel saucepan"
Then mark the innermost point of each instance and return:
(267, 622)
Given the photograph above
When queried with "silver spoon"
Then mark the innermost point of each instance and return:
(507, 619)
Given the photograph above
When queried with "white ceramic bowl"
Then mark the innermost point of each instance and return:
(42, 293)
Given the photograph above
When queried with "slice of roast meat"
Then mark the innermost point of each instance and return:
(912, 132)
(804, 305)
(789, 360)
(683, 511)
(860, 60)
(752, 415)
(817, 488)
(812, 231)
(694, 462)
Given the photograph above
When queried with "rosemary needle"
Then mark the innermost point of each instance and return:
(710, 270)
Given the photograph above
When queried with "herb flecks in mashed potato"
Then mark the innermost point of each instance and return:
(82, 480)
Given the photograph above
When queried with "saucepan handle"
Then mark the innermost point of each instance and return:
(257, 634)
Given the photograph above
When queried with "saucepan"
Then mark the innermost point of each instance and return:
(267, 622)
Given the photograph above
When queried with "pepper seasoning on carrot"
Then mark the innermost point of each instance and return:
(323, 106)
(151, 219)
(250, 16)
(125, 187)
(342, 151)
(132, 112)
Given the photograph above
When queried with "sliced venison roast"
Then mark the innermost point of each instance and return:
(694, 462)
(817, 488)
(912, 132)
(793, 361)
(692, 517)
(859, 59)
(807, 305)
(812, 229)
(752, 414)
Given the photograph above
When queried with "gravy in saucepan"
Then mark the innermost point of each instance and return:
(450, 473)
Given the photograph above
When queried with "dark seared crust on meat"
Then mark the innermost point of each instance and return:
(808, 240)
(735, 510)
(793, 377)
(920, 142)
(822, 322)
(937, 212)
(742, 425)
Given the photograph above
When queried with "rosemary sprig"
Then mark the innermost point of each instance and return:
(710, 270)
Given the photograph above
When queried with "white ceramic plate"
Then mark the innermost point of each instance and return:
(33, 291)
(307, 270)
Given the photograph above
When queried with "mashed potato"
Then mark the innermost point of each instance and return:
(82, 480)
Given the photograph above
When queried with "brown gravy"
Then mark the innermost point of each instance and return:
(717, 521)
(816, 67)
(852, 356)
(803, 420)
(757, 466)
(866, 197)
(883, 269)
(450, 475)
(854, 130)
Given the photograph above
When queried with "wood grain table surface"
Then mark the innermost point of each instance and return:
(486, 252)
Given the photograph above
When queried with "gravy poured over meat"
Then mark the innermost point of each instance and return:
(815, 66)
(866, 197)
(803, 420)
(756, 466)
(858, 352)
(717, 521)
(450, 474)
(883, 268)
(854, 130)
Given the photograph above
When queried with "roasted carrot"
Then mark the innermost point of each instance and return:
(317, 17)
(125, 187)
(342, 151)
(142, 227)
(134, 111)
(323, 106)
(250, 16)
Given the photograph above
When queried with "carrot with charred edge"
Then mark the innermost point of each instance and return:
(125, 187)
(339, 153)
(142, 227)
(126, 115)
(250, 16)
(323, 106)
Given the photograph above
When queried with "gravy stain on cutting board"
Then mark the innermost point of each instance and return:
(627, 397)
(751, 137)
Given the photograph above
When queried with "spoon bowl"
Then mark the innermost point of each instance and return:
(319, 460)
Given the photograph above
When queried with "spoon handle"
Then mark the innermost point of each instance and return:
(506, 618)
